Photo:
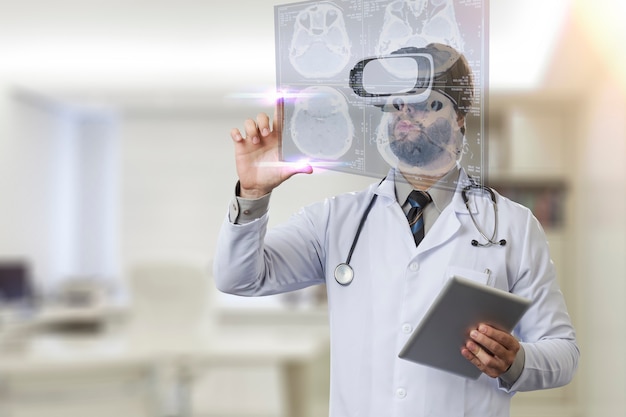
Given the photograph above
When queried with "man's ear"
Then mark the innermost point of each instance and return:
(460, 119)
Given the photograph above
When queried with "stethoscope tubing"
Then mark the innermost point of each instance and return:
(344, 274)
(361, 224)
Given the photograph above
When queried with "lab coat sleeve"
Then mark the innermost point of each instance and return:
(545, 331)
(252, 261)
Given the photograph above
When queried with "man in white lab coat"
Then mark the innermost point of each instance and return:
(395, 279)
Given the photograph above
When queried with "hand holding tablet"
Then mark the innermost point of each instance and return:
(458, 309)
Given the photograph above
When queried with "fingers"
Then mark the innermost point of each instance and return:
(254, 131)
(279, 112)
(483, 360)
(263, 124)
(236, 135)
(499, 343)
(491, 350)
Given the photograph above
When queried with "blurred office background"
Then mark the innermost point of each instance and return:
(116, 169)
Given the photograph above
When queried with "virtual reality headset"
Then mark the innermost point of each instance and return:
(412, 74)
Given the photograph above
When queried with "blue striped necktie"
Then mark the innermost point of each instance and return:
(418, 200)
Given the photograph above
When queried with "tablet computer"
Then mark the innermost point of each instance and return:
(460, 306)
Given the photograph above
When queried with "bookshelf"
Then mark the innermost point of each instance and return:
(531, 151)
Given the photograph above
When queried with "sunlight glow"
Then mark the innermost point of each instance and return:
(521, 52)
(603, 20)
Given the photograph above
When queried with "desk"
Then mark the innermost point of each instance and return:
(46, 354)
(54, 315)
(290, 352)
(50, 376)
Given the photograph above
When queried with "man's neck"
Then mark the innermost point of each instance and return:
(424, 178)
(421, 182)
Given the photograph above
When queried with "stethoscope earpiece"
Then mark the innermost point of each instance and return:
(490, 241)
(501, 242)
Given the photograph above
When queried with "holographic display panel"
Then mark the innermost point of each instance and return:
(318, 43)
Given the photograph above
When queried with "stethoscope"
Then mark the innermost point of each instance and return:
(492, 240)
(344, 274)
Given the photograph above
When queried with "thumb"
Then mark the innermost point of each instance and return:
(293, 168)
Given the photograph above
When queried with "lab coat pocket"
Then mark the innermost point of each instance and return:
(483, 277)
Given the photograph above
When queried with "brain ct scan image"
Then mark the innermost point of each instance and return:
(321, 127)
(345, 66)
(320, 47)
(418, 23)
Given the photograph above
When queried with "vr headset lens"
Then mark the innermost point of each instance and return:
(378, 76)
(377, 79)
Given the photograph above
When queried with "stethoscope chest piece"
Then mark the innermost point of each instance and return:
(344, 274)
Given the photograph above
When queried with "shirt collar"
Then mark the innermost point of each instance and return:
(441, 192)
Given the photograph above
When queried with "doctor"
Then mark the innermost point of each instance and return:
(396, 275)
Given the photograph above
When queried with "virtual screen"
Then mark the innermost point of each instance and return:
(339, 72)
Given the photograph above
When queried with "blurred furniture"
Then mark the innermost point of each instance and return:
(75, 377)
(170, 305)
(169, 359)
(531, 155)
(170, 314)
(15, 283)
(53, 375)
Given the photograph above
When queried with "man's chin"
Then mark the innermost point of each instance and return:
(436, 168)
(411, 163)
(416, 159)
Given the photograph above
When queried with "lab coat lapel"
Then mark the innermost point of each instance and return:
(448, 223)
(444, 229)
(393, 220)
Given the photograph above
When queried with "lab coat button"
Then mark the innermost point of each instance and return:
(407, 328)
(414, 266)
(401, 393)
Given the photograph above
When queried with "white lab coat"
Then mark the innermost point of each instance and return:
(394, 284)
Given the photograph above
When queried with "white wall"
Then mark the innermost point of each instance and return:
(60, 201)
(178, 175)
(95, 193)
(37, 160)
(601, 245)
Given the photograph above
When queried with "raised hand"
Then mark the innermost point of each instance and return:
(257, 155)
